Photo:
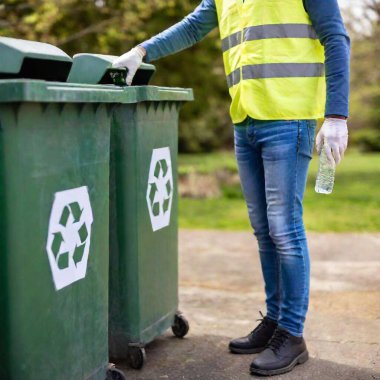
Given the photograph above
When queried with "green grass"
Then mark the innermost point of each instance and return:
(353, 206)
(206, 163)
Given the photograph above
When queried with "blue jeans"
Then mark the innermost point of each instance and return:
(273, 159)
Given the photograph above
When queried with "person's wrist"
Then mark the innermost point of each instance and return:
(141, 51)
(336, 117)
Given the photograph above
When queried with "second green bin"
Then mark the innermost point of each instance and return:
(143, 212)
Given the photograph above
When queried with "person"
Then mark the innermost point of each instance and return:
(287, 65)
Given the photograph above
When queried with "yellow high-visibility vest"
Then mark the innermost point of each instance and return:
(273, 60)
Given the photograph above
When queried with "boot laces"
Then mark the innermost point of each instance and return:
(278, 339)
(263, 321)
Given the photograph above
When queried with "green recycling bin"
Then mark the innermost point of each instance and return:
(143, 212)
(54, 214)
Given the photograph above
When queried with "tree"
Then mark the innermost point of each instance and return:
(113, 27)
(365, 69)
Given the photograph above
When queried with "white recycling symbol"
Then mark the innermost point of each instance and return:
(69, 236)
(159, 195)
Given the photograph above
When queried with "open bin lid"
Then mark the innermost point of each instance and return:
(32, 60)
(97, 69)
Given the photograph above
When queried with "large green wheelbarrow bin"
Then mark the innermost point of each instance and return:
(54, 214)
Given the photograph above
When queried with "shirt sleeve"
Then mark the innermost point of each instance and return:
(328, 24)
(184, 34)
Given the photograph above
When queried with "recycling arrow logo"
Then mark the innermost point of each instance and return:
(159, 194)
(69, 236)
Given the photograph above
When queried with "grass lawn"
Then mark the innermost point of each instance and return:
(353, 206)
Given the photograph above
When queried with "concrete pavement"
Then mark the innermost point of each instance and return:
(221, 293)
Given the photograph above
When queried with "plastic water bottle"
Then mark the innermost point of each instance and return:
(326, 174)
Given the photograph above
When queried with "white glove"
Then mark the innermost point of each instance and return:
(333, 136)
(130, 60)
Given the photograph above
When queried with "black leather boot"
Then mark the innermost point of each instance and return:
(257, 340)
(283, 353)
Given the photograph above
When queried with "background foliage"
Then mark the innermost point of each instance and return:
(114, 26)
(364, 30)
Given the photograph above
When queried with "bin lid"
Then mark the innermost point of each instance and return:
(32, 60)
(97, 69)
(20, 90)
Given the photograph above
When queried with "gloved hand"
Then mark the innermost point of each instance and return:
(334, 134)
(130, 60)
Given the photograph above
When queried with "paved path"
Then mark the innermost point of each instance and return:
(221, 294)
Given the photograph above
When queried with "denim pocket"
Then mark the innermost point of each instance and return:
(299, 134)
(311, 126)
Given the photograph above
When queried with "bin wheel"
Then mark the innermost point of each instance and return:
(181, 325)
(136, 357)
(115, 374)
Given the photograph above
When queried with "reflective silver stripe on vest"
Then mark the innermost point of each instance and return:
(261, 32)
(283, 70)
(231, 41)
(233, 78)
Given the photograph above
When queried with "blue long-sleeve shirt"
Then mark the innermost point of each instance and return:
(328, 24)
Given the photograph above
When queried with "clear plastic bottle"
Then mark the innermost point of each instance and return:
(326, 174)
